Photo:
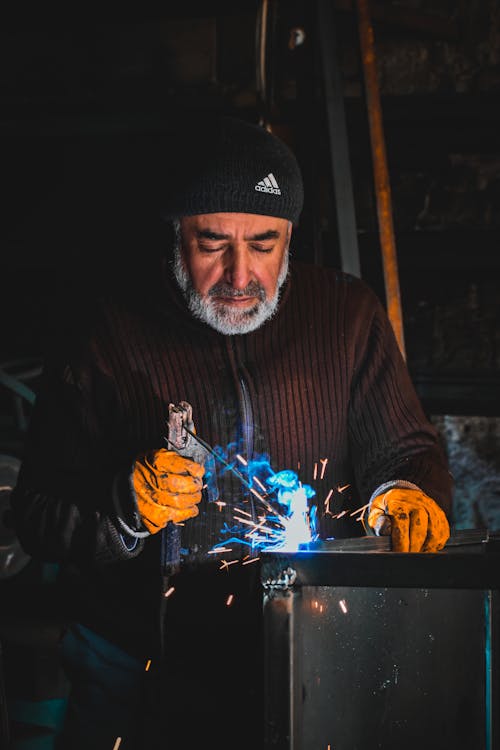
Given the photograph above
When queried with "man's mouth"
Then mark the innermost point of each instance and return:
(224, 294)
(236, 301)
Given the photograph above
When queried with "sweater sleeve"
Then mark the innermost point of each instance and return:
(392, 440)
(62, 504)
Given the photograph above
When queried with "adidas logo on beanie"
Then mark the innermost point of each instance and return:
(229, 165)
(268, 185)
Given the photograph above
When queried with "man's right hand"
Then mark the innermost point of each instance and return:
(167, 487)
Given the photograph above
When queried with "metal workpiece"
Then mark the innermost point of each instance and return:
(467, 560)
(368, 650)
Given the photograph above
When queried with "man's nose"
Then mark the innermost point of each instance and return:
(238, 271)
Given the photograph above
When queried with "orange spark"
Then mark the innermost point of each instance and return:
(252, 560)
(259, 527)
(323, 462)
(257, 481)
(343, 606)
(339, 515)
(248, 521)
(341, 489)
(219, 550)
(226, 563)
(327, 502)
(169, 592)
(245, 512)
(315, 473)
(262, 500)
(241, 460)
(229, 600)
(363, 507)
(117, 743)
(148, 664)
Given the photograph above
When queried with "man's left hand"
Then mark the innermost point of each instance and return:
(417, 523)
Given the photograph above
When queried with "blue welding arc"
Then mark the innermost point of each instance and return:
(234, 540)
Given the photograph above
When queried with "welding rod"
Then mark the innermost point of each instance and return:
(214, 453)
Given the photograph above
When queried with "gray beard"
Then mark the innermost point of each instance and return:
(225, 318)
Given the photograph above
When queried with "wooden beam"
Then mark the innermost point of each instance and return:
(380, 173)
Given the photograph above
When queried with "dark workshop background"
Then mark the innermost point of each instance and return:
(86, 102)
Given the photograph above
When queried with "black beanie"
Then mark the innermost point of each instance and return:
(230, 165)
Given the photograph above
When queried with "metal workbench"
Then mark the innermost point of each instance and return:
(368, 649)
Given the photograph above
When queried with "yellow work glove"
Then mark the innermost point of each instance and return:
(415, 522)
(167, 487)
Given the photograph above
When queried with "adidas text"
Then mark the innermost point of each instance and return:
(264, 189)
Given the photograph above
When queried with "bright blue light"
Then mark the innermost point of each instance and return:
(282, 492)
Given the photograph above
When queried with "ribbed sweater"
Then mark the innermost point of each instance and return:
(323, 379)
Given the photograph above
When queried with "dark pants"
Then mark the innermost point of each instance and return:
(107, 689)
(206, 692)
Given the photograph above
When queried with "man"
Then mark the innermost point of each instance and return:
(265, 360)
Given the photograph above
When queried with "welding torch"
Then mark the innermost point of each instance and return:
(180, 438)
(183, 439)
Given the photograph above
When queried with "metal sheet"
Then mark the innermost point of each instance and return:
(354, 662)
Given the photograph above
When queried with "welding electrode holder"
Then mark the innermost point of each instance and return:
(180, 426)
(180, 440)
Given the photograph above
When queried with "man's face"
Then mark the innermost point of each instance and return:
(231, 267)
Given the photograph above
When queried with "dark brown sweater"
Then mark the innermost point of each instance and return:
(324, 379)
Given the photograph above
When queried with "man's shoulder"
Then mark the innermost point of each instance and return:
(330, 279)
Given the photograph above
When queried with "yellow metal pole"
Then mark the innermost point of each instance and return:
(380, 172)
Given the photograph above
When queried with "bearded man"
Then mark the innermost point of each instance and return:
(274, 363)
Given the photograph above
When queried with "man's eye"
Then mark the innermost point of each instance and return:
(210, 248)
(262, 248)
